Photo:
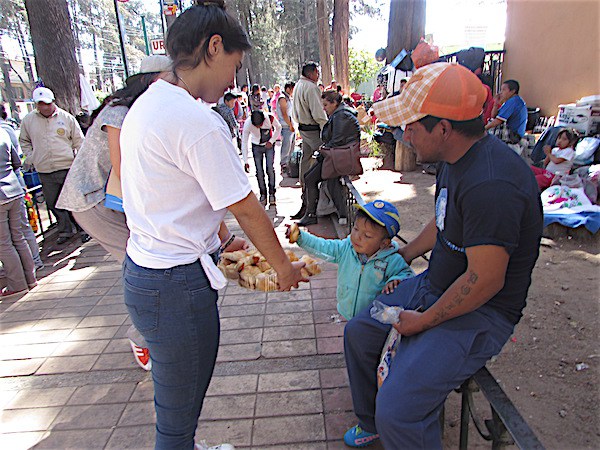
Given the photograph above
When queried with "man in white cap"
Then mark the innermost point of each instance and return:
(484, 240)
(50, 137)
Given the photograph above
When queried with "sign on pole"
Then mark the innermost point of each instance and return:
(158, 46)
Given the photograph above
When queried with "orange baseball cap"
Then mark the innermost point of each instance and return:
(444, 90)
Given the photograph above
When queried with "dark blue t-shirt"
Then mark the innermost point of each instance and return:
(514, 111)
(488, 197)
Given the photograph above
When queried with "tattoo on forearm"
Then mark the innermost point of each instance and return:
(464, 290)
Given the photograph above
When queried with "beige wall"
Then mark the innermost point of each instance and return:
(553, 50)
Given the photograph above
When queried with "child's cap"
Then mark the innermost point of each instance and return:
(384, 214)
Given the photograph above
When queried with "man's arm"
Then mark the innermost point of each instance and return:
(284, 111)
(423, 243)
(493, 123)
(276, 129)
(25, 142)
(76, 135)
(484, 277)
(316, 107)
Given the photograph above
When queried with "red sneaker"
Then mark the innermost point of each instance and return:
(6, 292)
(141, 355)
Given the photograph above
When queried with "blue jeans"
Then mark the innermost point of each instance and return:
(176, 311)
(426, 368)
(288, 139)
(261, 153)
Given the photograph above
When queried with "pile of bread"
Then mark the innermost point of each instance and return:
(252, 270)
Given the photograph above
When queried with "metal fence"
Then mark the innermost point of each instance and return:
(492, 67)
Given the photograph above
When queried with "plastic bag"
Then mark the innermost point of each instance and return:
(424, 54)
(384, 313)
(389, 315)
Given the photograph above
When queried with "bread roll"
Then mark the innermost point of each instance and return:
(294, 233)
(291, 255)
(231, 271)
(266, 282)
(311, 265)
(235, 256)
(263, 266)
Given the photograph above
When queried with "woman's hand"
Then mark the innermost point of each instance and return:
(238, 243)
(291, 277)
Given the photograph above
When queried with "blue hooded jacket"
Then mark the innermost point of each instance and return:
(358, 284)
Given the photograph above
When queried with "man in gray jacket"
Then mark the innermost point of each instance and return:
(308, 112)
(50, 137)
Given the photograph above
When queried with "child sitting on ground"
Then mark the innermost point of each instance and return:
(368, 259)
(559, 160)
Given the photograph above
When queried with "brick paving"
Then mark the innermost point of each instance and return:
(68, 378)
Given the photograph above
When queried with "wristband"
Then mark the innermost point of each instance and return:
(227, 242)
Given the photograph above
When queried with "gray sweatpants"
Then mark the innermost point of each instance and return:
(109, 228)
(14, 251)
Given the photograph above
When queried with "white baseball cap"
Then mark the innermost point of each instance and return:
(43, 94)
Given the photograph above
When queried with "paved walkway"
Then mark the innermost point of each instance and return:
(68, 378)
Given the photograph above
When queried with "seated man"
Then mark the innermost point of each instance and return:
(513, 112)
(484, 240)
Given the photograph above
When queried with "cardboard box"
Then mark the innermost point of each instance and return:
(585, 119)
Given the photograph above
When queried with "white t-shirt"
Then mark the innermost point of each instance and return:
(179, 171)
(564, 167)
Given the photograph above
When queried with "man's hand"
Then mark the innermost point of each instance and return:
(411, 322)
(247, 168)
(291, 279)
(292, 129)
(390, 286)
(269, 145)
(238, 243)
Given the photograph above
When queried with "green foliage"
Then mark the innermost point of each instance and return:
(363, 66)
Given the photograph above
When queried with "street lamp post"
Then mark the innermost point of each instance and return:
(121, 41)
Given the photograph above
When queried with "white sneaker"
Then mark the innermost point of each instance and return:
(203, 446)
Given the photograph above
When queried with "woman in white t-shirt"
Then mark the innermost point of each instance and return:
(180, 175)
(559, 160)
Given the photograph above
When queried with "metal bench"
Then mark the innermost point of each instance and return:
(506, 427)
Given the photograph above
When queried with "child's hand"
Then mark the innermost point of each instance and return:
(292, 233)
(547, 149)
(390, 286)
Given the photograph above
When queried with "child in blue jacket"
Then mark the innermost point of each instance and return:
(368, 259)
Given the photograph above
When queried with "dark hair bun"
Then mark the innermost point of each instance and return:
(217, 3)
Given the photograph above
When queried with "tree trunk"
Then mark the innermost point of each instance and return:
(406, 160)
(324, 44)
(406, 26)
(55, 58)
(341, 27)
(7, 91)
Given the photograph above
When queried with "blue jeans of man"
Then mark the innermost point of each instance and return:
(176, 311)
(264, 156)
(288, 139)
(426, 368)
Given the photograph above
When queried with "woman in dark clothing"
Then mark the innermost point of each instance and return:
(341, 129)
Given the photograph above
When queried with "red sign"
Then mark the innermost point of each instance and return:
(158, 46)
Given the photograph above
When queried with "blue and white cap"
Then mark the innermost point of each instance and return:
(384, 214)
